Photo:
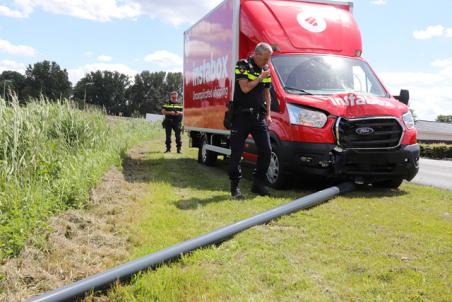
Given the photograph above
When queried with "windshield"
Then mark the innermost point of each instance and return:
(326, 74)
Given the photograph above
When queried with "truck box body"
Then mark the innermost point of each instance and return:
(208, 63)
(331, 114)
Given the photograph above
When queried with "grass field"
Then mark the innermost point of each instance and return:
(51, 156)
(377, 245)
(380, 245)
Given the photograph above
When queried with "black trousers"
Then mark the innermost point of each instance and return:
(243, 125)
(171, 125)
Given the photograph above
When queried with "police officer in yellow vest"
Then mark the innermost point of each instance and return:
(252, 106)
(173, 112)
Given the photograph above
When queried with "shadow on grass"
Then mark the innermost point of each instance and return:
(370, 192)
(185, 172)
(181, 171)
(194, 203)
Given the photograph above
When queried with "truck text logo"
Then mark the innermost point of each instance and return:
(357, 100)
(209, 71)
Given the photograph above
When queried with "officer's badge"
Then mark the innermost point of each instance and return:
(242, 69)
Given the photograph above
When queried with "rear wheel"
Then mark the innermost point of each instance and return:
(277, 177)
(390, 183)
(206, 157)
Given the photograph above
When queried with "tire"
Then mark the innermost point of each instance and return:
(390, 183)
(206, 157)
(277, 176)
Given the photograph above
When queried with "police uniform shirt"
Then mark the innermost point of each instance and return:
(176, 107)
(248, 69)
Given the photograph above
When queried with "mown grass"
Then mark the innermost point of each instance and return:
(377, 245)
(51, 155)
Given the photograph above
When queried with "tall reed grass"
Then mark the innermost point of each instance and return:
(51, 155)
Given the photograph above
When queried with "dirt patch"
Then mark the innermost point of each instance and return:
(79, 243)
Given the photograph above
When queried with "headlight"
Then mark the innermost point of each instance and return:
(408, 120)
(302, 116)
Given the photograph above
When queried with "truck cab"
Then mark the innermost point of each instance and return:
(333, 118)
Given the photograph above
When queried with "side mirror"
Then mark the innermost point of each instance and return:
(404, 96)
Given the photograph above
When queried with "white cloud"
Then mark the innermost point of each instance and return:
(411, 78)
(379, 2)
(12, 65)
(177, 11)
(442, 63)
(163, 59)
(432, 31)
(20, 50)
(430, 93)
(96, 10)
(447, 72)
(173, 11)
(76, 74)
(6, 11)
(449, 33)
(23, 8)
(104, 58)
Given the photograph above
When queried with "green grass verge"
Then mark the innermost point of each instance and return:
(366, 246)
(51, 155)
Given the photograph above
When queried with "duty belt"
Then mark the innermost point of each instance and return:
(257, 113)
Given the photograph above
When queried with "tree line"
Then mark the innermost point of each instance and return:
(114, 91)
(444, 118)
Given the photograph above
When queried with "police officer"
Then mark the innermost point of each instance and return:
(173, 112)
(252, 115)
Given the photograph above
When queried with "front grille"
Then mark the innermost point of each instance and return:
(376, 133)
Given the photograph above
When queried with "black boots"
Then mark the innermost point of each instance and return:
(168, 150)
(259, 188)
(235, 190)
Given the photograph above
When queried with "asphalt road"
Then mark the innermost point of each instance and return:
(437, 173)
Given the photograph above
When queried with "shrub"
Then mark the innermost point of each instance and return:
(436, 151)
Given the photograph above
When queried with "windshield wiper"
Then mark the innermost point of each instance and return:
(297, 89)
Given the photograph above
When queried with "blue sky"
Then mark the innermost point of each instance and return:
(408, 43)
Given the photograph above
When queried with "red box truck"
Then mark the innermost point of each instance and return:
(332, 116)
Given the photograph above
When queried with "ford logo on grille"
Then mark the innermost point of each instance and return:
(364, 131)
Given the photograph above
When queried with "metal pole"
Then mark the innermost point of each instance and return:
(124, 271)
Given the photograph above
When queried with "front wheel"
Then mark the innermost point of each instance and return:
(276, 174)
